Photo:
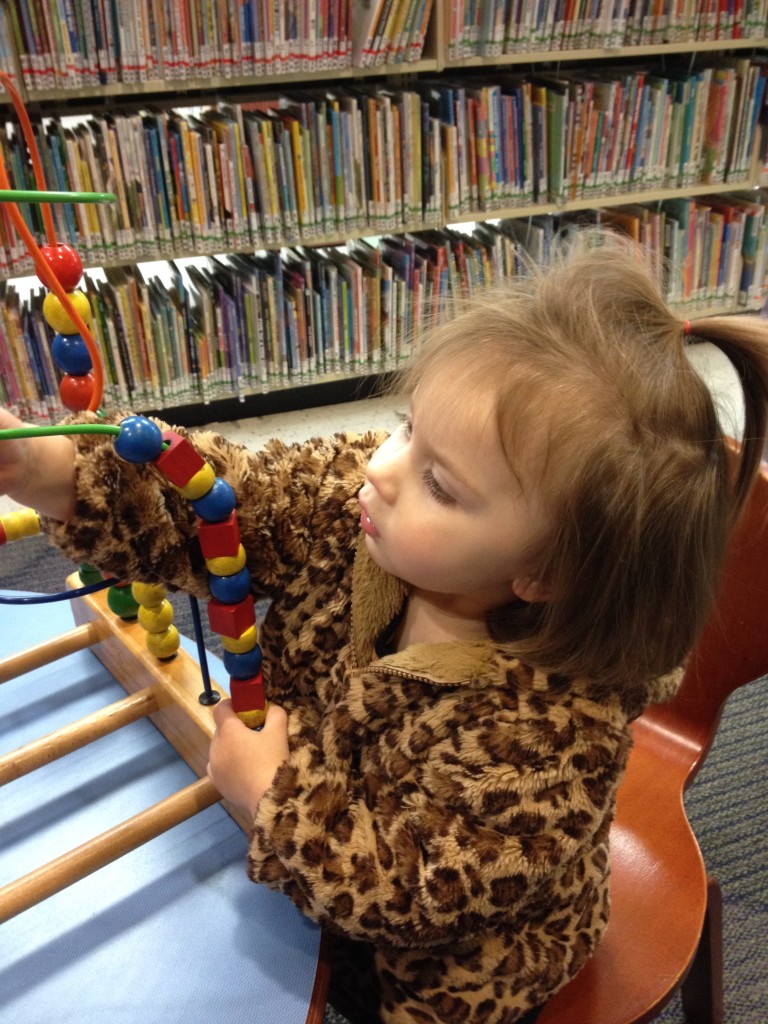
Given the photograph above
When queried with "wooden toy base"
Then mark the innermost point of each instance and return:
(167, 692)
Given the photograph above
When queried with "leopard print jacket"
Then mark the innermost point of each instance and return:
(445, 809)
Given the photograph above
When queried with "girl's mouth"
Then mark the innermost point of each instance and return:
(366, 523)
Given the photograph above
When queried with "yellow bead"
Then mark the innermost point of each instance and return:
(199, 484)
(57, 317)
(156, 619)
(149, 594)
(22, 523)
(253, 719)
(164, 645)
(239, 645)
(227, 565)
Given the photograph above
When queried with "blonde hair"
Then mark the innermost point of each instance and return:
(635, 471)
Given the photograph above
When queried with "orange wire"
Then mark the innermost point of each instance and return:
(42, 267)
(34, 153)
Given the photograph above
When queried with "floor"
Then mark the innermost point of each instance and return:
(379, 412)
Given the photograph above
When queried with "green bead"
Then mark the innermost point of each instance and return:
(89, 574)
(122, 602)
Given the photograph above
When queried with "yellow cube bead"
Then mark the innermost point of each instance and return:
(57, 317)
(199, 484)
(239, 645)
(156, 619)
(151, 595)
(227, 565)
(164, 645)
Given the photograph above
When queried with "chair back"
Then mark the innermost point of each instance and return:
(658, 879)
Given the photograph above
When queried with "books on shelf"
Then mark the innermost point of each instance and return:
(76, 44)
(227, 326)
(323, 165)
(496, 27)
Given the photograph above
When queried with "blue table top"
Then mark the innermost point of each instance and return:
(173, 932)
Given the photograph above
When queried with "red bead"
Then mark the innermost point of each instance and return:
(77, 392)
(248, 694)
(3, 537)
(65, 264)
(179, 462)
(219, 540)
(231, 619)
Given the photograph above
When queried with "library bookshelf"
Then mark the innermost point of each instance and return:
(294, 197)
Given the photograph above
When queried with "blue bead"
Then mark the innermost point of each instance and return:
(243, 666)
(217, 504)
(70, 353)
(230, 589)
(139, 440)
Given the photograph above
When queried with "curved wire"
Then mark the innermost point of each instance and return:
(34, 153)
(42, 268)
(64, 595)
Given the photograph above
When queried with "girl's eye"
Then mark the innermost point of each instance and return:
(406, 423)
(435, 490)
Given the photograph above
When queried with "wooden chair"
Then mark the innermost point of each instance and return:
(665, 932)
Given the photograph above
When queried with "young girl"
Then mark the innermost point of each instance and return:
(465, 618)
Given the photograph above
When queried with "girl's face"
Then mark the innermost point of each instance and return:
(443, 509)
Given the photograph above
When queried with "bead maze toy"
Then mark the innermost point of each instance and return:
(128, 626)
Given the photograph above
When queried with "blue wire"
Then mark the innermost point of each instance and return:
(65, 595)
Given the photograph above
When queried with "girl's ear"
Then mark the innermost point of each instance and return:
(531, 589)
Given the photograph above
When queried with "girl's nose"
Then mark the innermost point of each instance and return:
(382, 470)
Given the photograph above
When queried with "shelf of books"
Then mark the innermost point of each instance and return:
(239, 325)
(78, 46)
(267, 239)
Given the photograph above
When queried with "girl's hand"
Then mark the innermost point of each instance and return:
(38, 471)
(241, 762)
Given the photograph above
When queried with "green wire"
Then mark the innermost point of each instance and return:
(16, 195)
(13, 433)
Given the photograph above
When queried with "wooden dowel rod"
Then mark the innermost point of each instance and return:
(96, 853)
(60, 646)
(63, 741)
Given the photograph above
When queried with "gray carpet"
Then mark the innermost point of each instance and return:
(726, 805)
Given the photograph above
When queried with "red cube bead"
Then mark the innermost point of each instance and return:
(219, 540)
(248, 694)
(179, 461)
(231, 619)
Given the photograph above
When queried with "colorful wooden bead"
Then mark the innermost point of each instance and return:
(217, 504)
(76, 392)
(57, 317)
(70, 353)
(139, 440)
(23, 522)
(231, 619)
(65, 264)
(242, 666)
(245, 642)
(121, 601)
(249, 700)
(151, 595)
(199, 484)
(89, 574)
(156, 619)
(219, 540)
(227, 566)
(165, 644)
(179, 461)
(230, 589)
